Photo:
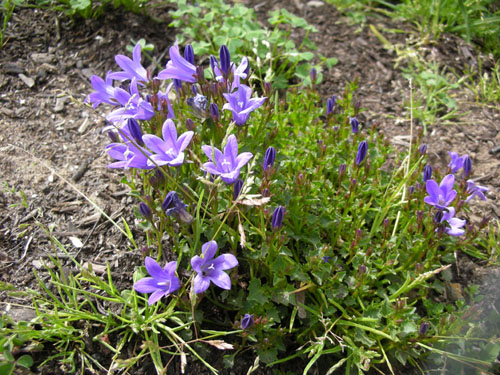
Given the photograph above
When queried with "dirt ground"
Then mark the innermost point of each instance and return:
(52, 151)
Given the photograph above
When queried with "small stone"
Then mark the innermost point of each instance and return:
(12, 68)
(79, 64)
(28, 81)
(40, 58)
(37, 264)
(59, 107)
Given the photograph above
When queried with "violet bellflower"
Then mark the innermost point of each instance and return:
(226, 165)
(161, 283)
(362, 149)
(131, 68)
(456, 162)
(354, 124)
(475, 191)
(237, 188)
(104, 91)
(212, 270)
(427, 173)
(238, 73)
(467, 165)
(241, 104)
(225, 59)
(178, 67)
(440, 196)
(454, 225)
(129, 154)
(132, 105)
(330, 104)
(173, 206)
(214, 111)
(170, 149)
(189, 53)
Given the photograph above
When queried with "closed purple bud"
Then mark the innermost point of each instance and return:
(189, 54)
(362, 269)
(266, 193)
(330, 104)
(314, 75)
(342, 169)
(247, 70)
(172, 205)
(247, 321)
(225, 59)
(189, 124)
(135, 131)
(112, 136)
(411, 189)
(438, 217)
(214, 111)
(277, 218)
(354, 124)
(145, 210)
(362, 149)
(237, 188)
(269, 157)
(423, 149)
(267, 89)
(424, 327)
(467, 165)
(177, 84)
(200, 73)
(213, 62)
(427, 173)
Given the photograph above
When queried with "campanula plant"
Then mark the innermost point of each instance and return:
(315, 238)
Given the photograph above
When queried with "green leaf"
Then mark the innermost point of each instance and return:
(256, 292)
(6, 368)
(25, 361)
(8, 355)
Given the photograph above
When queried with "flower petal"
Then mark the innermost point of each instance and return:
(242, 159)
(211, 152)
(221, 279)
(170, 268)
(225, 262)
(196, 263)
(231, 149)
(201, 284)
(146, 285)
(156, 296)
(154, 268)
(208, 250)
(184, 140)
(447, 184)
(154, 143)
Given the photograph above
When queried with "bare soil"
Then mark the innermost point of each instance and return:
(52, 149)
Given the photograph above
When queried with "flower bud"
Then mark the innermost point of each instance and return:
(135, 131)
(313, 75)
(214, 111)
(189, 54)
(438, 217)
(330, 104)
(354, 124)
(225, 59)
(190, 124)
(157, 179)
(427, 173)
(266, 193)
(145, 210)
(112, 135)
(237, 188)
(267, 89)
(277, 218)
(362, 149)
(424, 327)
(357, 106)
(177, 84)
(342, 169)
(467, 165)
(247, 321)
(269, 157)
(423, 149)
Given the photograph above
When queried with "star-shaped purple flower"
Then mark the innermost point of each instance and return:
(129, 154)
(475, 190)
(456, 162)
(454, 224)
(178, 67)
(104, 91)
(132, 105)
(161, 283)
(241, 104)
(212, 270)
(440, 196)
(170, 149)
(131, 68)
(226, 165)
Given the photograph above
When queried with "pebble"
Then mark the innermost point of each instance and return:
(28, 81)
(59, 107)
(41, 58)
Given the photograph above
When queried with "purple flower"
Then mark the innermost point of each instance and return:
(145, 210)
(362, 149)
(241, 104)
(226, 165)
(189, 54)
(269, 158)
(475, 190)
(424, 327)
(237, 188)
(423, 149)
(170, 149)
(173, 206)
(440, 196)
(354, 124)
(456, 162)
(214, 111)
(247, 321)
(277, 218)
(209, 269)
(199, 104)
(454, 224)
(162, 283)
(427, 173)
(129, 154)
(313, 75)
(132, 105)
(178, 67)
(104, 91)
(131, 68)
